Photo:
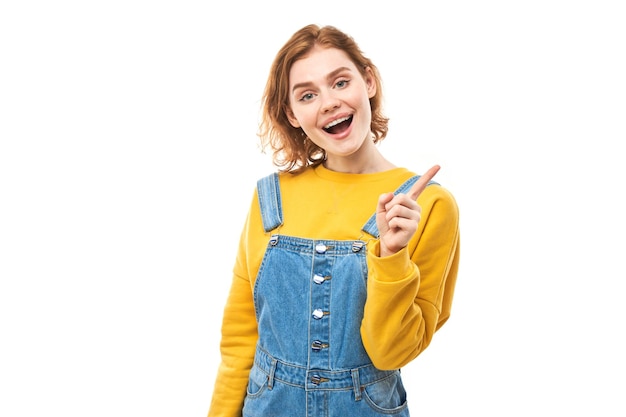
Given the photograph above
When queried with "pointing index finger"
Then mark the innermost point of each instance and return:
(422, 182)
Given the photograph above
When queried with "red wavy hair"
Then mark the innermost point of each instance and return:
(292, 152)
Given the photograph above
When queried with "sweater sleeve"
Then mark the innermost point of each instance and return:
(239, 337)
(409, 294)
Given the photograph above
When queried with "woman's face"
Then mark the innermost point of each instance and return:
(329, 100)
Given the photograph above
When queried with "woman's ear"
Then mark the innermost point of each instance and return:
(292, 119)
(370, 82)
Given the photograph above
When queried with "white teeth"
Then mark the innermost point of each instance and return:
(336, 122)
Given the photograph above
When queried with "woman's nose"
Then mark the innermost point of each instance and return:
(330, 103)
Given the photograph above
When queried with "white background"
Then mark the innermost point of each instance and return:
(128, 156)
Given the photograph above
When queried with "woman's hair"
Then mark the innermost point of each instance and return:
(292, 151)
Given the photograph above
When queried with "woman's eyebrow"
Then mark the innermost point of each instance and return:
(330, 76)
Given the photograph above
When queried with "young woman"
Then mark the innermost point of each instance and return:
(347, 264)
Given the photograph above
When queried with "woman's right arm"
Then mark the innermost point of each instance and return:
(239, 337)
(239, 329)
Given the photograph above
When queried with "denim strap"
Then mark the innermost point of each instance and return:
(370, 227)
(268, 189)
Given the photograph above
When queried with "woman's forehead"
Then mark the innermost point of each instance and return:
(318, 64)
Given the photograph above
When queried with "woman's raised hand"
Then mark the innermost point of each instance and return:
(397, 216)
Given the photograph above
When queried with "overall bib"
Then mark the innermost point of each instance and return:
(309, 297)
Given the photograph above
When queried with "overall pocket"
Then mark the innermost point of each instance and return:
(257, 382)
(387, 395)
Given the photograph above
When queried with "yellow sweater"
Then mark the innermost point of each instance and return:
(409, 293)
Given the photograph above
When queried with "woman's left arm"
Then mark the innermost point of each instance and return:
(409, 292)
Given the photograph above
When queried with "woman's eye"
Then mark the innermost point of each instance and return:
(342, 83)
(306, 97)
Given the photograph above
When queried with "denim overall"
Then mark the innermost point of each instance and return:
(309, 297)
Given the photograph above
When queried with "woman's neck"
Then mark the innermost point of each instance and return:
(367, 161)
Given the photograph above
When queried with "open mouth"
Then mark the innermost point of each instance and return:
(339, 125)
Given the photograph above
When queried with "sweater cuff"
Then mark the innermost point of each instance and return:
(393, 268)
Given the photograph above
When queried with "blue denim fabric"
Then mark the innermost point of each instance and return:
(310, 360)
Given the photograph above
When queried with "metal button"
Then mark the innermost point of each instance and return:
(316, 379)
(320, 248)
(357, 246)
(318, 345)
